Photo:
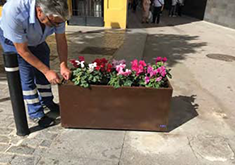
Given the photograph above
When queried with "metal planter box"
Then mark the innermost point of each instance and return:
(104, 107)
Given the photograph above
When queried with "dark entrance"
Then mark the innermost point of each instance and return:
(87, 13)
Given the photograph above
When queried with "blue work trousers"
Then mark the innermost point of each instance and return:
(35, 86)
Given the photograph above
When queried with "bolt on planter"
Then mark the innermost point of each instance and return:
(125, 108)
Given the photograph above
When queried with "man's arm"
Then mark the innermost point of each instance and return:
(62, 49)
(25, 53)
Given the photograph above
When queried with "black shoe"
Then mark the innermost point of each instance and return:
(52, 107)
(44, 121)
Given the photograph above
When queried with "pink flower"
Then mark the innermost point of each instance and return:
(153, 73)
(158, 59)
(120, 67)
(126, 73)
(164, 59)
(150, 69)
(162, 71)
(141, 62)
(134, 65)
(158, 79)
(138, 67)
(116, 62)
(147, 79)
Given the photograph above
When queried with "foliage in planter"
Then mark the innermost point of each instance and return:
(101, 72)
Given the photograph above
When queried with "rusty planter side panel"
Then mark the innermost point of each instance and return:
(103, 107)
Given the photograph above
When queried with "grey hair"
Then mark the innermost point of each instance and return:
(57, 8)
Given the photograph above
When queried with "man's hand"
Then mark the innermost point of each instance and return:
(65, 72)
(52, 77)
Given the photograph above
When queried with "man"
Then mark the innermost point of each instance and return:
(24, 27)
(158, 7)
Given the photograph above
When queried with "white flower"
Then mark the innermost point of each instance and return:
(92, 66)
(80, 63)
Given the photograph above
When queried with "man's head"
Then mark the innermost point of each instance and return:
(52, 12)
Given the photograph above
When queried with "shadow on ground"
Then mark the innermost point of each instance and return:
(183, 109)
(174, 47)
(50, 114)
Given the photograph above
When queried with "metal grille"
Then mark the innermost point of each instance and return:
(90, 8)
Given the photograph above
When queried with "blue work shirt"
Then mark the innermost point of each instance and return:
(20, 24)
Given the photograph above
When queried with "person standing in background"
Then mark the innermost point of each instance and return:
(180, 6)
(158, 7)
(172, 11)
(134, 5)
(146, 7)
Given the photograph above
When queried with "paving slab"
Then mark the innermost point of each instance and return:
(75, 161)
(93, 144)
(145, 148)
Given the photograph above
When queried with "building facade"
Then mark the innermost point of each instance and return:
(221, 12)
(113, 13)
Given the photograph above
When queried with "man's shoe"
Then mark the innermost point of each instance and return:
(53, 107)
(44, 121)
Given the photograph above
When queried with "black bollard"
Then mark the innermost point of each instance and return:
(13, 78)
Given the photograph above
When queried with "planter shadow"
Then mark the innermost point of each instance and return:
(183, 109)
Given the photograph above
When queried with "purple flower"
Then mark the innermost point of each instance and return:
(158, 79)
(147, 79)
(150, 69)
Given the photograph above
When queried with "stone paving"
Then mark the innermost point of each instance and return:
(201, 128)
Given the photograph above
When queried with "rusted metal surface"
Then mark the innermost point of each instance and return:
(103, 107)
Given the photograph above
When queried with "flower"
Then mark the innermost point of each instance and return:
(92, 66)
(116, 62)
(101, 63)
(162, 71)
(73, 62)
(138, 67)
(109, 67)
(147, 79)
(158, 59)
(80, 63)
(117, 74)
(158, 79)
(126, 73)
(164, 59)
(81, 58)
(151, 71)
(120, 67)
(142, 63)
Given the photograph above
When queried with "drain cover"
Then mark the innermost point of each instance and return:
(222, 57)
(98, 50)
